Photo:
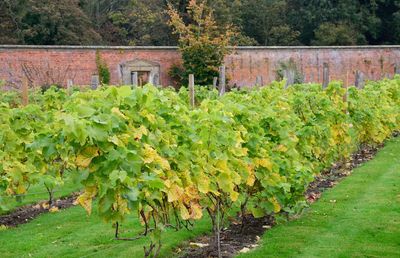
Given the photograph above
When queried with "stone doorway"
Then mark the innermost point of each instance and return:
(140, 72)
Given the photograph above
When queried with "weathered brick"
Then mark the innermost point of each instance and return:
(243, 65)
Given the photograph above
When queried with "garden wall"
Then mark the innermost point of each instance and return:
(57, 64)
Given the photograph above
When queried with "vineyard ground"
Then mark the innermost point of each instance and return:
(360, 217)
(38, 193)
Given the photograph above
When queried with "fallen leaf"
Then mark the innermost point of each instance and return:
(244, 250)
(54, 209)
(198, 245)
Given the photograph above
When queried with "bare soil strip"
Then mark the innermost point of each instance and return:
(27, 213)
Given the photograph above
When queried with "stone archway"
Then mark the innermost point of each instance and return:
(139, 72)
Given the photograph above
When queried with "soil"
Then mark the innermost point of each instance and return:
(27, 213)
(234, 240)
(331, 177)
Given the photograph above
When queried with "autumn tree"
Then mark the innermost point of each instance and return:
(202, 43)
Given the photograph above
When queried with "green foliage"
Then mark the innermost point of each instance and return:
(102, 69)
(331, 34)
(359, 202)
(145, 22)
(178, 75)
(145, 151)
(46, 22)
(267, 22)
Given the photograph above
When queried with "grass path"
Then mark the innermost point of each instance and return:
(360, 217)
(71, 233)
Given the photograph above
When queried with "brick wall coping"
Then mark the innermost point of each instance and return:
(22, 47)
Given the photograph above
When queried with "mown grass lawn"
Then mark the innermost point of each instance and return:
(360, 217)
(71, 233)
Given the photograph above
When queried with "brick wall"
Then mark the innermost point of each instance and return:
(55, 64)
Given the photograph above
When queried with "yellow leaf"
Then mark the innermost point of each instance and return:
(184, 212)
(85, 157)
(275, 203)
(222, 165)
(281, 148)
(167, 183)
(163, 163)
(114, 139)
(251, 178)
(85, 199)
(139, 132)
(150, 155)
(174, 193)
(203, 184)
(196, 211)
(118, 112)
(54, 209)
(266, 163)
(234, 196)
(149, 116)
(21, 189)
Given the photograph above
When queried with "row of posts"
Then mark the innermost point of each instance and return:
(289, 74)
(220, 83)
(221, 86)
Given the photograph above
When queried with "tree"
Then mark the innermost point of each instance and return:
(10, 15)
(50, 22)
(265, 22)
(202, 43)
(331, 34)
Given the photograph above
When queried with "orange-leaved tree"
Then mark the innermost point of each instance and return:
(202, 43)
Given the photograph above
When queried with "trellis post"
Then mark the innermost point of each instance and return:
(259, 81)
(325, 78)
(215, 81)
(25, 91)
(95, 82)
(222, 80)
(191, 90)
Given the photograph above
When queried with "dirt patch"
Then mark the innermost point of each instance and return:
(233, 239)
(27, 213)
(331, 177)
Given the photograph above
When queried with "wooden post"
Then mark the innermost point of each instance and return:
(289, 74)
(191, 90)
(360, 82)
(325, 81)
(25, 91)
(135, 79)
(70, 83)
(95, 82)
(397, 69)
(215, 81)
(259, 81)
(222, 80)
